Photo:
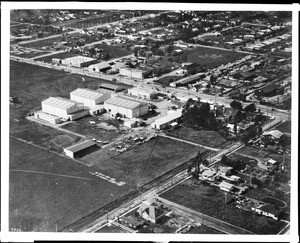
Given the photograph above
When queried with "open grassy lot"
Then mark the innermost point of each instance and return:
(212, 58)
(111, 229)
(207, 138)
(29, 54)
(48, 191)
(44, 42)
(83, 127)
(210, 201)
(203, 229)
(63, 55)
(285, 127)
(114, 51)
(144, 162)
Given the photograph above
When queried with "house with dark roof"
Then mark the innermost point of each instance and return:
(233, 115)
(268, 90)
(244, 75)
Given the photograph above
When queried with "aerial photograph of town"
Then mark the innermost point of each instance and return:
(150, 121)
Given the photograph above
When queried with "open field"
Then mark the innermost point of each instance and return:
(30, 54)
(111, 229)
(207, 138)
(44, 42)
(49, 191)
(210, 201)
(114, 51)
(203, 229)
(285, 127)
(83, 127)
(212, 58)
(143, 163)
(62, 55)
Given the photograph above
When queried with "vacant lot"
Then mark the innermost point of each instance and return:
(207, 138)
(114, 51)
(48, 191)
(63, 55)
(285, 127)
(212, 58)
(144, 162)
(83, 127)
(210, 201)
(111, 229)
(44, 42)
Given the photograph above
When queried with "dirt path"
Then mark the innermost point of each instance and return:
(185, 141)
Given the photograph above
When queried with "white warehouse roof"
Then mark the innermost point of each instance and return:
(141, 91)
(169, 118)
(59, 102)
(126, 103)
(87, 93)
(80, 59)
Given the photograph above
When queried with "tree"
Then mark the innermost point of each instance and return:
(236, 105)
(250, 108)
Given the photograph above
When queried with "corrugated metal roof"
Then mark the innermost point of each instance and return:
(126, 103)
(169, 118)
(87, 93)
(59, 102)
(80, 146)
(110, 86)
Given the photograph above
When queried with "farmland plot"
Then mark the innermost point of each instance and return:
(47, 191)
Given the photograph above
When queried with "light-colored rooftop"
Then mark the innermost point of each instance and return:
(59, 102)
(79, 59)
(80, 146)
(123, 102)
(225, 184)
(169, 118)
(87, 93)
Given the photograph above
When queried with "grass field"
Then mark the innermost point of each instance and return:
(114, 51)
(111, 229)
(63, 55)
(44, 42)
(285, 127)
(210, 201)
(212, 58)
(83, 127)
(62, 192)
(207, 138)
(144, 162)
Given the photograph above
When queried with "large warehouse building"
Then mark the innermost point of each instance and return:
(166, 121)
(88, 97)
(127, 107)
(78, 61)
(135, 73)
(80, 149)
(142, 93)
(64, 108)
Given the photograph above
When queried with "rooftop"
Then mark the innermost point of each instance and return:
(80, 59)
(80, 146)
(124, 102)
(169, 118)
(87, 93)
(59, 102)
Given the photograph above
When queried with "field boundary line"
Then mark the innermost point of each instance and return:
(189, 142)
(54, 174)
